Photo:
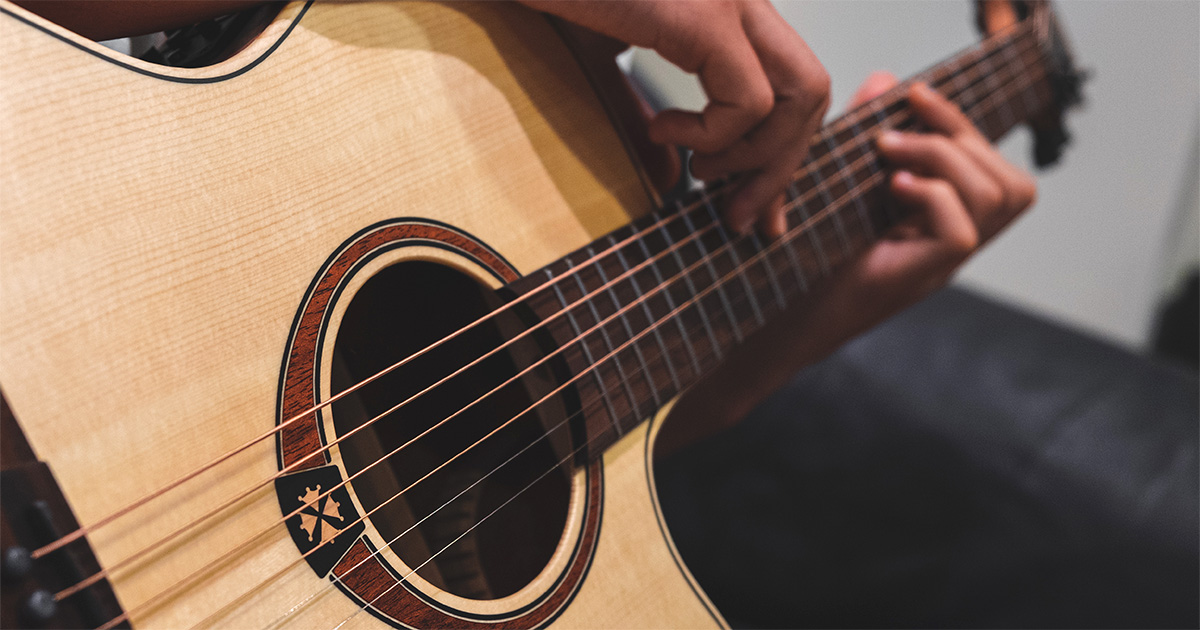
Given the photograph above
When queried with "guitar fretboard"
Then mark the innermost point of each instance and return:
(647, 310)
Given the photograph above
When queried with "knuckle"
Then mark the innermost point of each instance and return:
(941, 147)
(816, 87)
(758, 101)
(820, 83)
(1027, 191)
(992, 197)
(942, 189)
(965, 241)
(825, 85)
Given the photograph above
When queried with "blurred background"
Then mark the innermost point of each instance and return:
(1115, 228)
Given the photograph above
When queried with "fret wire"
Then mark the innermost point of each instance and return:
(970, 93)
(119, 618)
(650, 319)
(871, 165)
(1010, 97)
(1022, 81)
(889, 207)
(1019, 69)
(965, 98)
(967, 58)
(587, 353)
(733, 321)
(1020, 72)
(969, 66)
(804, 214)
(993, 116)
(603, 328)
(683, 334)
(687, 278)
(850, 183)
(733, 255)
(561, 298)
(877, 112)
(637, 349)
(827, 199)
(824, 193)
(822, 260)
(984, 48)
(1006, 113)
(1024, 84)
(780, 300)
(873, 108)
(810, 228)
(791, 253)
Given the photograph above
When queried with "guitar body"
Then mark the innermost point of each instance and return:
(178, 248)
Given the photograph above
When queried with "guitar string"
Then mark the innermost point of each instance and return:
(598, 363)
(326, 588)
(295, 465)
(91, 581)
(989, 47)
(996, 42)
(801, 229)
(331, 584)
(247, 542)
(564, 422)
(598, 326)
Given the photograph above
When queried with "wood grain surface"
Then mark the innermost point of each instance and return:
(159, 227)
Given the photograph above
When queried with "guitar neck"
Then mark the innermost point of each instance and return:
(647, 310)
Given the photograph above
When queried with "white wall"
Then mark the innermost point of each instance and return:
(1093, 250)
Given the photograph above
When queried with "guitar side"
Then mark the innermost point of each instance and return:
(158, 228)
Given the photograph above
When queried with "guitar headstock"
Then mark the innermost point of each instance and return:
(1064, 78)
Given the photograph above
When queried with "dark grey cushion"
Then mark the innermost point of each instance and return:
(965, 464)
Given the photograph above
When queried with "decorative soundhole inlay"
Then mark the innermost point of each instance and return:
(319, 511)
(402, 506)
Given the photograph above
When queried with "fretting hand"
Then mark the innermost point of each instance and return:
(959, 193)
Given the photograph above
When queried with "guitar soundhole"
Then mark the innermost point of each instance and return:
(487, 522)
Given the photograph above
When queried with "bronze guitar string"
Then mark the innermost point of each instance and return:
(802, 201)
(84, 530)
(801, 229)
(213, 511)
(876, 177)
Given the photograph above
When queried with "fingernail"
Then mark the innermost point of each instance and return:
(903, 179)
(780, 225)
(889, 139)
(925, 90)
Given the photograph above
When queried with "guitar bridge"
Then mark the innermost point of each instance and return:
(34, 513)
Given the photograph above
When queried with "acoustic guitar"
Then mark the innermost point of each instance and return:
(374, 322)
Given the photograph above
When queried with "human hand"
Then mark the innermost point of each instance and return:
(960, 192)
(767, 91)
